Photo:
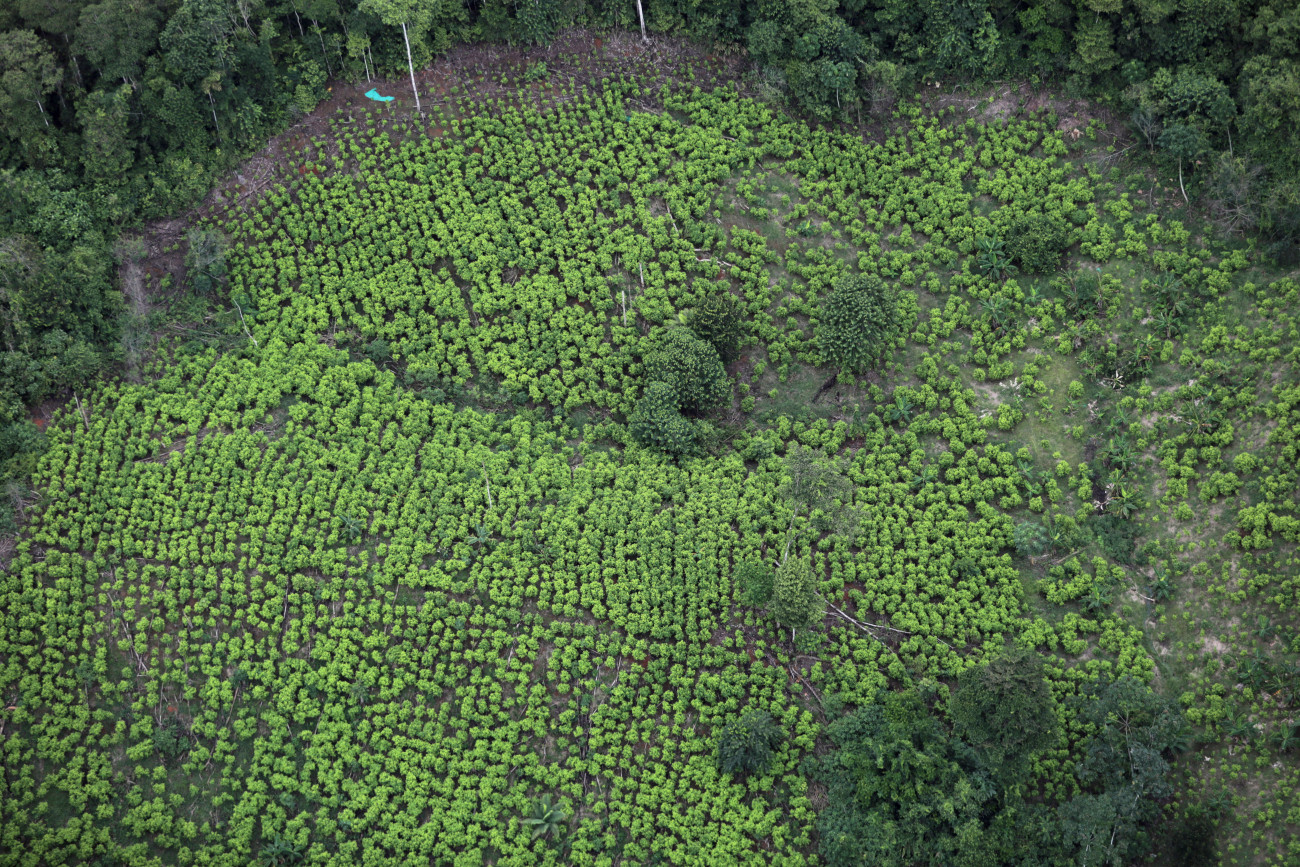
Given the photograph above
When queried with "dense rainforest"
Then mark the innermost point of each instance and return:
(750, 434)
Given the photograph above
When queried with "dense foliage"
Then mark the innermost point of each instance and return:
(717, 320)
(369, 567)
(860, 322)
(746, 744)
(117, 111)
(1004, 710)
(658, 423)
(689, 366)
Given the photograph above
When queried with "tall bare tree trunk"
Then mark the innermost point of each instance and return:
(411, 66)
(212, 103)
(641, 17)
(323, 53)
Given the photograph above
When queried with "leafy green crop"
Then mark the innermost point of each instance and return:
(370, 567)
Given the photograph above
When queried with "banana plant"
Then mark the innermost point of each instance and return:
(992, 258)
(1287, 737)
(998, 309)
(1168, 322)
(900, 410)
(545, 818)
(1125, 502)
(1098, 599)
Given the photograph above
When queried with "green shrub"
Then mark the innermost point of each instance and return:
(746, 744)
(1037, 241)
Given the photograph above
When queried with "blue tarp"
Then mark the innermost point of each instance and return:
(374, 94)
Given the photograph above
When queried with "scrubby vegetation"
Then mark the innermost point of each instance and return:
(490, 510)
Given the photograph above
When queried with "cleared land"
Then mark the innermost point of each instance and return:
(366, 569)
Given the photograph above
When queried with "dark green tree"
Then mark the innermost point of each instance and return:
(1036, 241)
(171, 740)
(107, 149)
(717, 320)
(43, 289)
(690, 367)
(815, 482)
(411, 16)
(1030, 538)
(1125, 771)
(1183, 142)
(1004, 709)
(859, 323)
(280, 851)
(116, 36)
(205, 259)
(755, 580)
(795, 600)
(903, 793)
(657, 423)
(1191, 841)
(29, 72)
(747, 744)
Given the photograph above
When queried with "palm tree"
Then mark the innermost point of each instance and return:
(900, 409)
(1287, 738)
(545, 817)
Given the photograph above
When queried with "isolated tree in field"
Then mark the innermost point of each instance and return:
(656, 422)
(717, 320)
(396, 13)
(814, 481)
(795, 600)
(746, 745)
(1036, 242)
(858, 325)
(205, 260)
(755, 580)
